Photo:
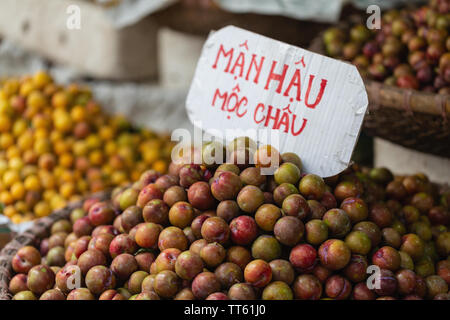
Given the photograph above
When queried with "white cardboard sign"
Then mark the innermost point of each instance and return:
(247, 81)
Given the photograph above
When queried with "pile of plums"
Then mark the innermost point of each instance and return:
(229, 232)
(410, 50)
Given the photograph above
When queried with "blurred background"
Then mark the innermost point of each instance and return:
(139, 56)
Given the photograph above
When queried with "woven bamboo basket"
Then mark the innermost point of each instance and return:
(411, 118)
(39, 230)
